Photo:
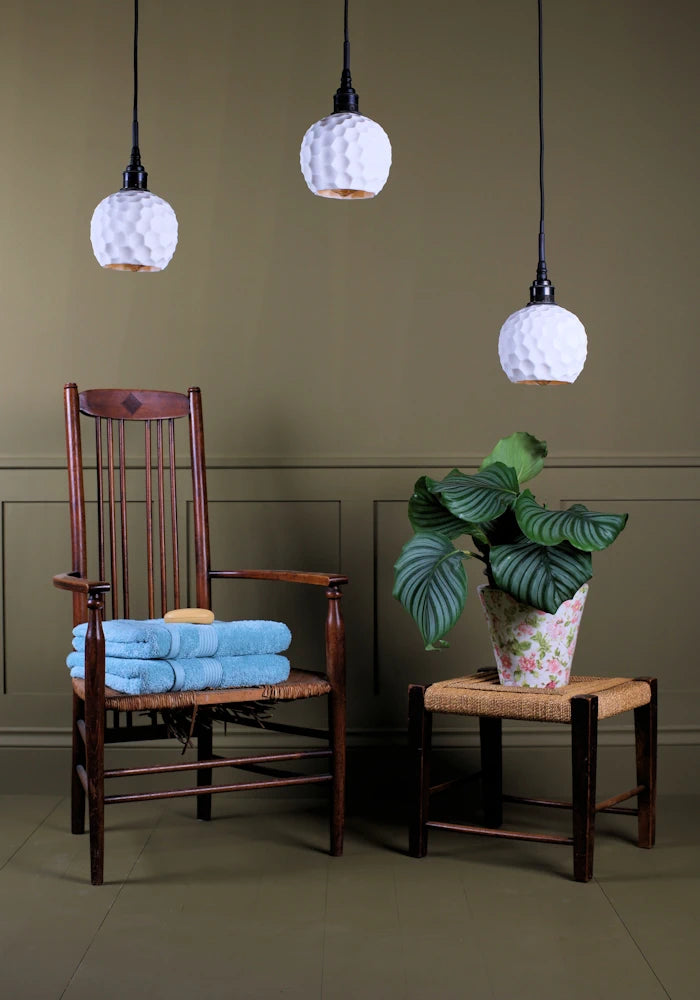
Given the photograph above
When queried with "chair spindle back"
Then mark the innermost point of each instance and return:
(112, 410)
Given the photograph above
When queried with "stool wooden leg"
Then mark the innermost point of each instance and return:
(491, 770)
(645, 739)
(584, 747)
(420, 725)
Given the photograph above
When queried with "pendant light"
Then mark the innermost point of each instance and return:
(134, 229)
(345, 155)
(542, 344)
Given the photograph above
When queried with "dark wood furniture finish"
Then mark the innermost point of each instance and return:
(584, 746)
(93, 702)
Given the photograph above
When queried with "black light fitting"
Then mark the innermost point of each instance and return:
(544, 345)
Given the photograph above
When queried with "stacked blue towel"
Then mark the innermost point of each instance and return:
(133, 676)
(156, 639)
(152, 656)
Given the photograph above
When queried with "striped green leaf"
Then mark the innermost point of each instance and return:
(431, 584)
(543, 576)
(481, 497)
(427, 513)
(584, 528)
(522, 452)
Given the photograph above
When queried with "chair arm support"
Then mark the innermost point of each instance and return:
(94, 591)
(286, 576)
(79, 585)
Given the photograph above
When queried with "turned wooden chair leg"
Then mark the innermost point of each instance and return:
(205, 775)
(94, 708)
(645, 740)
(94, 754)
(420, 725)
(584, 746)
(77, 792)
(336, 729)
(491, 770)
(335, 669)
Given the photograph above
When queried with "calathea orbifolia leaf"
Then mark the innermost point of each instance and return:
(522, 452)
(430, 582)
(481, 497)
(585, 529)
(543, 576)
(427, 513)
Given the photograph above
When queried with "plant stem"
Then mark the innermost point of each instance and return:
(473, 555)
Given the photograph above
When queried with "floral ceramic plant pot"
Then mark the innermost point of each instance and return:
(532, 648)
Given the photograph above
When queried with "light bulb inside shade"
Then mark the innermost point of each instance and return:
(345, 156)
(542, 344)
(133, 230)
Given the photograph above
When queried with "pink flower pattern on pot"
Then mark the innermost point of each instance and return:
(532, 648)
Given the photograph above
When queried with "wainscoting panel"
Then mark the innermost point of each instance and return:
(36, 616)
(639, 619)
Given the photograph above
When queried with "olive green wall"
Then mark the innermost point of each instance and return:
(343, 349)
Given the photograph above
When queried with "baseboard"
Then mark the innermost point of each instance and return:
(530, 736)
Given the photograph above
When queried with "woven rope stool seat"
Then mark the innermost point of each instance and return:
(579, 704)
(482, 694)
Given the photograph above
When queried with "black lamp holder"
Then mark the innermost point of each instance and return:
(135, 176)
(542, 289)
(346, 97)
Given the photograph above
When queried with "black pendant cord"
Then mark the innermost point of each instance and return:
(541, 289)
(542, 260)
(135, 117)
(135, 177)
(345, 97)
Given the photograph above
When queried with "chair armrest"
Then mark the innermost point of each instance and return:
(286, 576)
(335, 629)
(79, 585)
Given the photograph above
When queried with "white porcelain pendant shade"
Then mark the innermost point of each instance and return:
(133, 230)
(542, 344)
(345, 156)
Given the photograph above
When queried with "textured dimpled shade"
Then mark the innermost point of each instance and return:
(542, 344)
(345, 156)
(133, 230)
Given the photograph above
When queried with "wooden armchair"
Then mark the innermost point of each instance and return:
(111, 409)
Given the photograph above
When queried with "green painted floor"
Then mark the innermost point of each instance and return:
(251, 907)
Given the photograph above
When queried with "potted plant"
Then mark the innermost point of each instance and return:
(537, 561)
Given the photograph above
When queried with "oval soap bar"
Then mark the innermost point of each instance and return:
(194, 616)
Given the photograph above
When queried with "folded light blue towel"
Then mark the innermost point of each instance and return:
(141, 676)
(155, 639)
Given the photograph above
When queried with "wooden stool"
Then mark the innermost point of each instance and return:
(580, 704)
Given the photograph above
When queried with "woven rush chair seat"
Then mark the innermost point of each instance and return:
(482, 694)
(299, 684)
(579, 704)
